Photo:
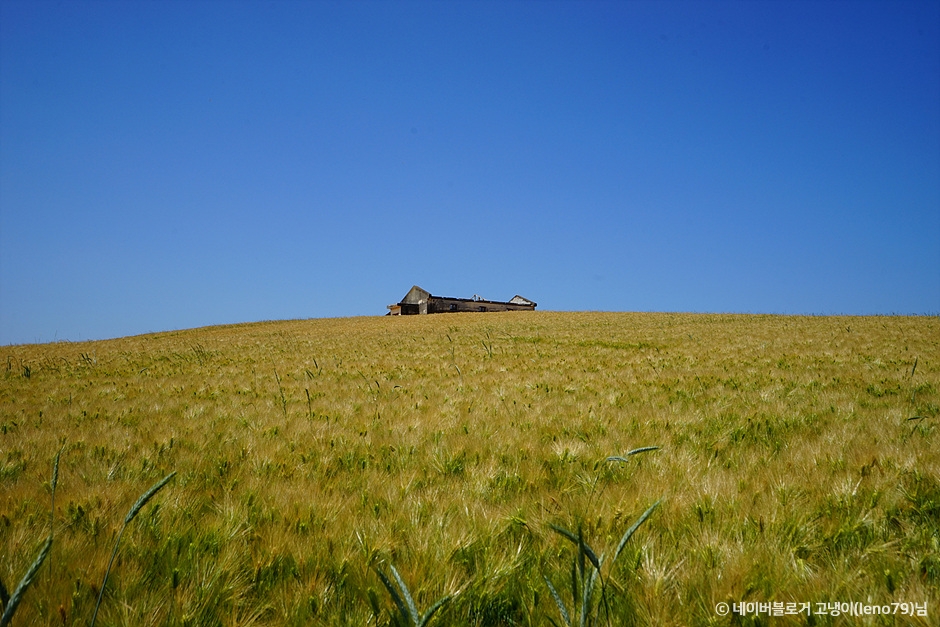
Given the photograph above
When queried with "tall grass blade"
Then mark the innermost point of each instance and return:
(629, 534)
(574, 586)
(135, 509)
(581, 553)
(434, 608)
(280, 390)
(402, 608)
(146, 496)
(623, 458)
(55, 482)
(561, 604)
(412, 610)
(587, 593)
(578, 541)
(588, 552)
(25, 582)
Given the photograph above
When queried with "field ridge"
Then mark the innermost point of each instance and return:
(798, 462)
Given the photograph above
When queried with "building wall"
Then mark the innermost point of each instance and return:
(415, 295)
(453, 305)
(420, 301)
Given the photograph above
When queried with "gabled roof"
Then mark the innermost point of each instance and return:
(520, 300)
(416, 295)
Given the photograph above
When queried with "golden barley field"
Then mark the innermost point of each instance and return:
(319, 461)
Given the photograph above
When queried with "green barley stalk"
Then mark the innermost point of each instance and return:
(584, 579)
(280, 389)
(595, 493)
(55, 482)
(28, 578)
(623, 458)
(146, 496)
(629, 534)
(9, 603)
(404, 601)
(407, 611)
(561, 604)
(309, 403)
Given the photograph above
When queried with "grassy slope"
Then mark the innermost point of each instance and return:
(309, 450)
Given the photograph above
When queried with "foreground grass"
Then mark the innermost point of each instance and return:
(310, 453)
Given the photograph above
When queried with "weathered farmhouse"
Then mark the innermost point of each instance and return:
(420, 301)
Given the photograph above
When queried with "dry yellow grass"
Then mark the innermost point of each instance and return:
(308, 451)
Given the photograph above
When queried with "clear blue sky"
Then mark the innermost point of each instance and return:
(168, 165)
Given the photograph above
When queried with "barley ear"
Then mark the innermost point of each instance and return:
(412, 609)
(55, 482)
(28, 578)
(561, 604)
(578, 540)
(55, 478)
(396, 597)
(147, 496)
(434, 608)
(626, 537)
(623, 458)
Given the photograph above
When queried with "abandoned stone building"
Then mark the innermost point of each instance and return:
(421, 301)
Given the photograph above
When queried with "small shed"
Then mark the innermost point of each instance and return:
(420, 301)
